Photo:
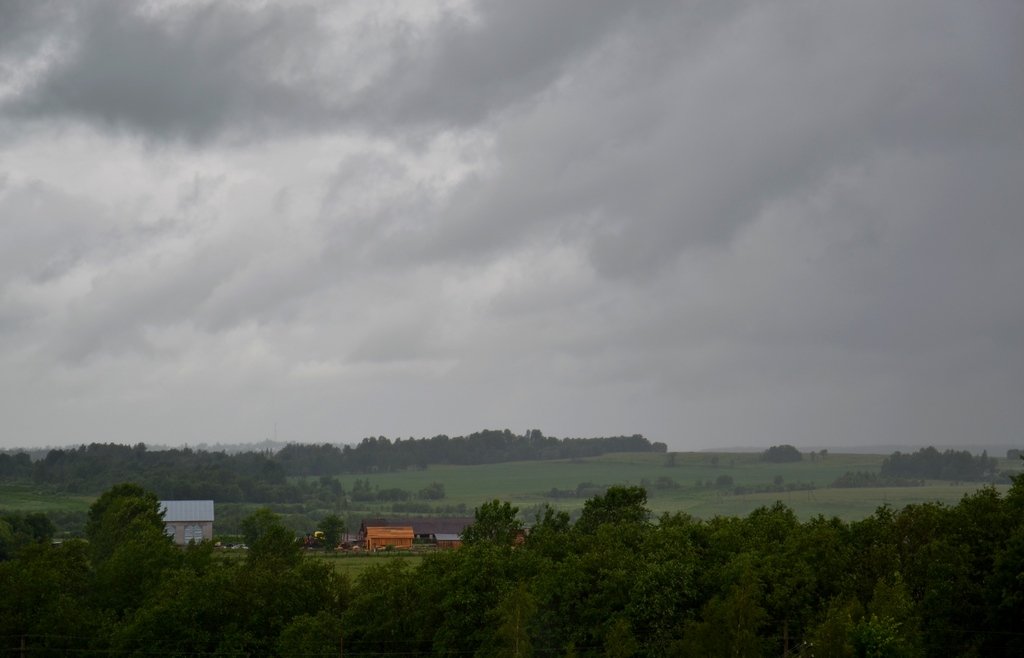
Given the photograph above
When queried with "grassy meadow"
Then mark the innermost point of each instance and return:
(350, 564)
(354, 565)
(527, 484)
(30, 498)
(676, 482)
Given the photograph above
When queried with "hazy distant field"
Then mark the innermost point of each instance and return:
(847, 504)
(526, 483)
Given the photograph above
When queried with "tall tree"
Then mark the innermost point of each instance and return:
(333, 526)
(268, 539)
(514, 616)
(125, 511)
(128, 545)
(495, 523)
(618, 505)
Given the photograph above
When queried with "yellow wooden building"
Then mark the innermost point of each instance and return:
(378, 538)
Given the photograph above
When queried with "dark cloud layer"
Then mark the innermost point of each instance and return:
(196, 74)
(714, 223)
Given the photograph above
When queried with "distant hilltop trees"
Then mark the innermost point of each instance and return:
(263, 476)
(929, 463)
(486, 447)
(781, 454)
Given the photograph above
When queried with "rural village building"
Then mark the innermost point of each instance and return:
(393, 537)
(188, 520)
(444, 532)
(448, 540)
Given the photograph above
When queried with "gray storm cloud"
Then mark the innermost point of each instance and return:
(712, 223)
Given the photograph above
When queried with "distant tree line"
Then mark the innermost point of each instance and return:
(377, 454)
(781, 454)
(929, 463)
(263, 476)
(176, 473)
(926, 580)
(17, 465)
(363, 491)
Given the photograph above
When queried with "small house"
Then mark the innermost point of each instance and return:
(188, 521)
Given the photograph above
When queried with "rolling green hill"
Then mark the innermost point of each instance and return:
(526, 484)
(701, 484)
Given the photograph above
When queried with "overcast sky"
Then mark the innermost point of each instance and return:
(713, 223)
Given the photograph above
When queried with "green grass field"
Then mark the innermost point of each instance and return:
(29, 498)
(354, 565)
(349, 564)
(847, 504)
(526, 483)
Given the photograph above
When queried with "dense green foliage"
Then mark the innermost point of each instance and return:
(14, 466)
(18, 530)
(129, 591)
(926, 580)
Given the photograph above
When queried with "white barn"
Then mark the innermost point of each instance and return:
(188, 520)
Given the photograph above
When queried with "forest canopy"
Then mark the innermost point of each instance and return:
(925, 580)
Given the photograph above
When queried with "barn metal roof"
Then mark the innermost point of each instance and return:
(447, 536)
(187, 510)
